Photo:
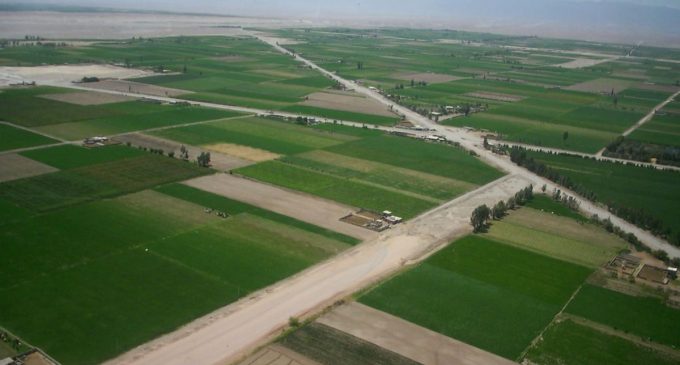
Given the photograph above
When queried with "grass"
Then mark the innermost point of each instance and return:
(568, 343)
(330, 346)
(547, 204)
(654, 191)
(269, 135)
(95, 280)
(13, 138)
(646, 317)
(234, 207)
(342, 190)
(662, 129)
(72, 156)
(481, 292)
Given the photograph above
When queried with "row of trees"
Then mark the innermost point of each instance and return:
(642, 151)
(482, 214)
(637, 216)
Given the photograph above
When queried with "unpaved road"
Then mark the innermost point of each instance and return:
(231, 332)
(307, 208)
(405, 338)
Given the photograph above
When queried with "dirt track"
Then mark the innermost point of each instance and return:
(405, 338)
(307, 208)
(231, 332)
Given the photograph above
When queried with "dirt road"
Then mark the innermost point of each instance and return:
(307, 208)
(231, 332)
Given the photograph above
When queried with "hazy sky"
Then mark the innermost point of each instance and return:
(627, 21)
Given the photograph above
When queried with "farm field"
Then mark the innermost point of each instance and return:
(654, 191)
(482, 292)
(134, 251)
(570, 343)
(655, 321)
(12, 138)
(31, 108)
(661, 130)
(92, 174)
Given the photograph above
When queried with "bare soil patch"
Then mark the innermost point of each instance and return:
(657, 87)
(429, 77)
(219, 161)
(602, 85)
(65, 74)
(242, 152)
(277, 355)
(136, 88)
(582, 62)
(495, 96)
(14, 167)
(88, 98)
(306, 208)
(346, 102)
(405, 338)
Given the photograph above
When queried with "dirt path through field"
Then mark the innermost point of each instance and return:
(405, 338)
(307, 208)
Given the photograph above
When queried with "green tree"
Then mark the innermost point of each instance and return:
(479, 217)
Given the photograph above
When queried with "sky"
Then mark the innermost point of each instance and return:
(629, 21)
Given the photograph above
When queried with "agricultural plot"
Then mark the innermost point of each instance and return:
(579, 243)
(661, 130)
(134, 251)
(487, 294)
(635, 188)
(32, 108)
(569, 343)
(646, 317)
(12, 138)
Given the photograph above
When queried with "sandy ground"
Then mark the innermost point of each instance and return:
(307, 208)
(602, 85)
(228, 333)
(347, 102)
(495, 96)
(242, 152)
(14, 166)
(219, 161)
(136, 88)
(64, 74)
(87, 98)
(37, 358)
(583, 62)
(277, 355)
(405, 338)
(430, 78)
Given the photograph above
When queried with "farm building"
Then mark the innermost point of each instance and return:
(654, 274)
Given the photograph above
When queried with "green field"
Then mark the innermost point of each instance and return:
(662, 130)
(72, 156)
(97, 279)
(12, 138)
(654, 191)
(646, 317)
(568, 343)
(269, 135)
(490, 295)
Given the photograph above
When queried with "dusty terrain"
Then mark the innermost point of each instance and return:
(583, 62)
(219, 161)
(346, 101)
(277, 355)
(603, 85)
(132, 87)
(405, 338)
(14, 166)
(307, 208)
(87, 98)
(430, 78)
(64, 74)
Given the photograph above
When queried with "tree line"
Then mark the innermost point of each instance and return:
(482, 214)
(643, 152)
(637, 216)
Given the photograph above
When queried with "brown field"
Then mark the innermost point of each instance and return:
(602, 85)
(657, 87)
(430, 78)
(14, 167)
(242, 152)
(88, 98)
(307, 208)
(136, 88)
(582, 62)
(219, 161)
(277, 355)
(347, 102)
(495, 96)
(405, 338)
